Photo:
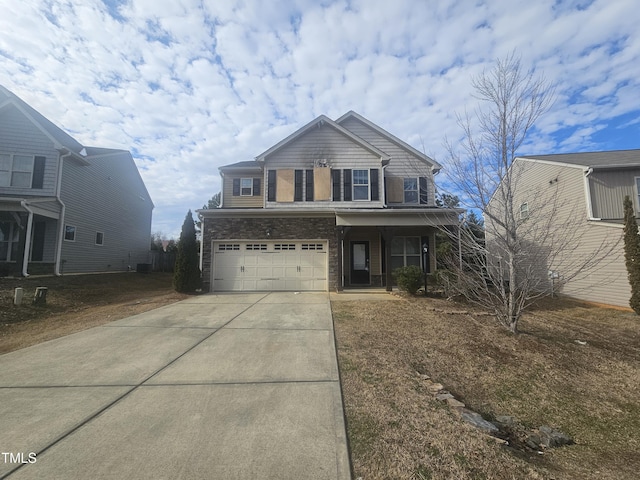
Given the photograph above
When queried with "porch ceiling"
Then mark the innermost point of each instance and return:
(45, 207)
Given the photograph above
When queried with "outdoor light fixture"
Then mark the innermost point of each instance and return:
(268, 232)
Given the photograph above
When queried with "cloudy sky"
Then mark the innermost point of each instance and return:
(190, 85)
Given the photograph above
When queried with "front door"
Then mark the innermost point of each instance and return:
(360, 263)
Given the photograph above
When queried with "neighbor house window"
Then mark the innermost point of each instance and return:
(411, 190)
(70, 233)
(405, 251)
(361, 184)
(16, 170)
(99, 238)
(246, 187)
(9, 234)
(524, 211)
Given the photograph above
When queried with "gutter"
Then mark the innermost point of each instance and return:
(27, 239)
(587, 192)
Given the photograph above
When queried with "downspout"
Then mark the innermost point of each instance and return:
(62, 215)
(201, 240)
(587, 191)
(27, 239)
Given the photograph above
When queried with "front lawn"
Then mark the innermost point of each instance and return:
(574, 367)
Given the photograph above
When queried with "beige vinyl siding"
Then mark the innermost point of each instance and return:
(402, 164)
(608, 189)
(239, 201)
(323, 143)
(556, 197)
(18, 135)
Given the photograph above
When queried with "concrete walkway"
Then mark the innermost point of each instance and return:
(231, 386)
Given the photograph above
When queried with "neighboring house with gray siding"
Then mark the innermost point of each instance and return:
(581, 195)
(65, 207)
(336, 204)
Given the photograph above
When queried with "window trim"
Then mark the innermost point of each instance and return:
(12, 170)
(355, 185)
(101, 244)
(524, 210)
(416, 190)
(404, 249)
(75, 233)
(250, 187)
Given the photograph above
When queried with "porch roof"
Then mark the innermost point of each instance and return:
(398, 218)
(43, 206)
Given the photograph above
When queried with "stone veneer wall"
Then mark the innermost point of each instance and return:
(281, 229)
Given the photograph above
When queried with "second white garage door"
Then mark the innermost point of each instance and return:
(275, 265)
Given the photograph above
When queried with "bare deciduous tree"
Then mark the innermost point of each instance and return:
(522, 239)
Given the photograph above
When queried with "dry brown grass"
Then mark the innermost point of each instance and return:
(77, 302)
(542, 376)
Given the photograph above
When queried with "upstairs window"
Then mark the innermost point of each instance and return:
(21, 171)
(246, 187)
(524, 211)
(361, 184)
(411, 190)
(99, 238)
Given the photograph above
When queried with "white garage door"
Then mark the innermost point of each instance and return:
(274, 265)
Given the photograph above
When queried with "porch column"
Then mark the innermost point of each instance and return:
(341, 232)
(387, 234)
(27, 245)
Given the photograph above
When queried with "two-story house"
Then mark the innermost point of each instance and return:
(570, 206)
(65, 207)
(335, 204)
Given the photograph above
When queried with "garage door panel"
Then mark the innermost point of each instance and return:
(276, 265)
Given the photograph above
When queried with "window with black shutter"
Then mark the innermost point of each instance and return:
(256, 187)
(38, 173)
(236, 187)
(308, 196)
(271, 180)
(424, 197)
(336, 184)
(347, 185)
(297, 192)
(375, 188)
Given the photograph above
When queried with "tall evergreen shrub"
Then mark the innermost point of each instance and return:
(632, 253)
(186, 276)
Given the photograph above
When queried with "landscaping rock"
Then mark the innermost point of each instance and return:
(551, 438)
(453, 403)
(435, 387)
(477, 421)
(443, 396)
(506, 422)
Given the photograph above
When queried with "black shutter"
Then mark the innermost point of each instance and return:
(236, 187)
(271, 188)
(424, 197)
(308, 196)
(38, 172)
(347, 185)
(336, 184)
(256, 187)
(375, 186)
(297, 192)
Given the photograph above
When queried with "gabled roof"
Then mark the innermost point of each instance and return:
(595, 160)
(246, 165)
(323, 120)
(60, 138)
(392, 138)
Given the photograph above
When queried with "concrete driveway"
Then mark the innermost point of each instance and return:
(227, 386)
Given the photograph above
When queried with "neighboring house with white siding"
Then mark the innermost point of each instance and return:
(64, 207)
(581, 195)
(336, 204)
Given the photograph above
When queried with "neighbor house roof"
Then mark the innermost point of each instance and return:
(596, 160)
(61, 138)
(246, 165)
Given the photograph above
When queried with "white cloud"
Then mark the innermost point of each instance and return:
(191, 85)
